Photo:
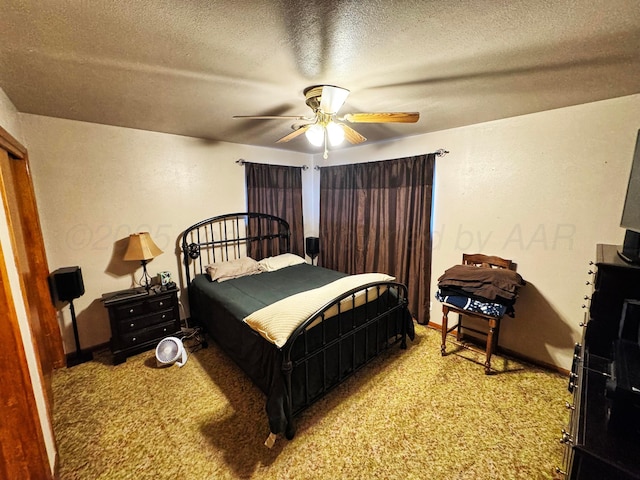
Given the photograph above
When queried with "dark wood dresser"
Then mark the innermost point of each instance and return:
(595, 447)
(140, 319)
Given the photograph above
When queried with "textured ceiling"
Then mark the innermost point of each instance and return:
(187, 66)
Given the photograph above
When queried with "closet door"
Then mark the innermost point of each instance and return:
(23, 453)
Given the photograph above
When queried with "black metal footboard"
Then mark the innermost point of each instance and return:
(339, 339)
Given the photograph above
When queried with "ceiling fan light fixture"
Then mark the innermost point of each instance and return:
(332, 98)
(315, 135)
(335, 134)
(326, 128)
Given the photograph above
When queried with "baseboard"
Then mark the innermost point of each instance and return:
(512, 354)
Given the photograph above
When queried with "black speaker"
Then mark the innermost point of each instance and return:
(313, 246)
(66, 284)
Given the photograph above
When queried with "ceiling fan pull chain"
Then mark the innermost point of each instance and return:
(325, 155)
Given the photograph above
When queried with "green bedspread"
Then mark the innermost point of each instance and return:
(245, 295)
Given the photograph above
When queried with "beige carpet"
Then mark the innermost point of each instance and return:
(411, 414)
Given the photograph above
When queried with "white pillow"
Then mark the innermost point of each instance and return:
(271, 264)
(232, 269)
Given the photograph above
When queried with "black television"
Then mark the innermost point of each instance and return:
(630, 251)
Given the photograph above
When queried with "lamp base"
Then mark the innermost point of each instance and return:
(145, 281)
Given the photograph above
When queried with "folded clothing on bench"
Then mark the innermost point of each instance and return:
(497, 310)
(489, 291)
(494, 285)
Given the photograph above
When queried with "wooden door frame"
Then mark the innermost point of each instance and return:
(52, 336)
(23, 451)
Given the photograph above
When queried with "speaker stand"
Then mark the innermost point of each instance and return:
(77, 357)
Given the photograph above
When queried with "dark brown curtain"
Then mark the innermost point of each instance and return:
(376, 217)
(277, 190)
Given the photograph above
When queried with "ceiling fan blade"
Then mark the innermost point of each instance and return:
(332, 98)
(351, 135)
(294, 134)
(273, 117)
(382, 117)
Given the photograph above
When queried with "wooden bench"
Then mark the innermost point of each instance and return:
(493, 332)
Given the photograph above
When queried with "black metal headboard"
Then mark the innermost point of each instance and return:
(231, 236)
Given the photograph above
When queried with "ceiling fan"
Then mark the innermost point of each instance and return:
(325, 126)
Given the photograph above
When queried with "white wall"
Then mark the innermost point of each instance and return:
(10, 122)
(541, 189)
(96, 184)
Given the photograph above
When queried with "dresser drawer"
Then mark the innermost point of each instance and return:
(161, 303)
(129, 310)
(142, 307)
(612, 287)
(137, 323)
(153, 333)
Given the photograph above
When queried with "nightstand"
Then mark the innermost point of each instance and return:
(140, 319)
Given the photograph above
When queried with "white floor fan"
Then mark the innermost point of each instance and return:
(171, 350)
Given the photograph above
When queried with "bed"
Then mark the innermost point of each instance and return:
(297, 330)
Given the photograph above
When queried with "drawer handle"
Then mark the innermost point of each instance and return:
(161, 303)
(132, 325)
(131, 310)
(566, 438)
(163, 316)
(133, 339)
(164, 329)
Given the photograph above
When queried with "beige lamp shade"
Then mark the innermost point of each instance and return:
(141, 247)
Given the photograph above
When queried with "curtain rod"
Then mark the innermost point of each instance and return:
(441, 152)
(242, 161)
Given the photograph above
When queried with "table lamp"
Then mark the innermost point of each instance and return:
(142, 248)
